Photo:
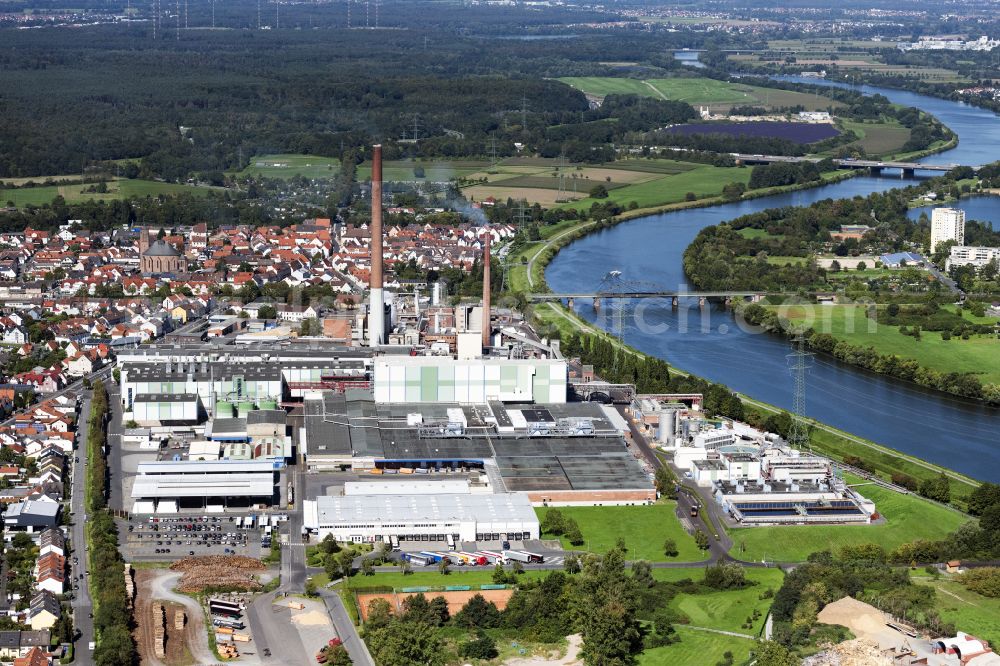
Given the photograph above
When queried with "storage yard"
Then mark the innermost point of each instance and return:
(218, 571)
(182, 643)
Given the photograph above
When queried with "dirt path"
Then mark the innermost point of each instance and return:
(572, 657)
(161, 586)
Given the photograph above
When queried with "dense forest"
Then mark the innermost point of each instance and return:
(457, 82)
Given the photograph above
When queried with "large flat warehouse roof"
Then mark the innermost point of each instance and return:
(612, 471)
(203, 485)
(209, 467)
(409, 508)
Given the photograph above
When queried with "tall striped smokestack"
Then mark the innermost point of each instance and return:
(486, 291)
(376, 316)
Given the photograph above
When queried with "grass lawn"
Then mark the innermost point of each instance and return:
(971, 612)
(431, 578)
(291, 165)
(779, 260)
(697, 647)
(979, 355)
(908, 518)
(878, 138)
(729, 609)
(117, 189)
(750, 232)
(644, 529)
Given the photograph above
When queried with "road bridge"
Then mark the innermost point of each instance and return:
(673, 296)
(539, 297)
(906, 169)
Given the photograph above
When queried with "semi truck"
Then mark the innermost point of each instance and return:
(417, 560)
(491, 556)
(525, 557)
(434, 557)
(474, 559)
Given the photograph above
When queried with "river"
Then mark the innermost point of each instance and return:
(952, 432)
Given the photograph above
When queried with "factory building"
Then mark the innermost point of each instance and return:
(558, 453)
(166, 409)
(413, 518)
(236, 383)
(442, 379)
(210, 485)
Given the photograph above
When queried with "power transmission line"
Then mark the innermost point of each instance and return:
(799, 361)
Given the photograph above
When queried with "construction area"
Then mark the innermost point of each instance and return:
(170, 628)
(882, 639)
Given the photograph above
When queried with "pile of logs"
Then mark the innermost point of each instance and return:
(234, 572)
(159, 631)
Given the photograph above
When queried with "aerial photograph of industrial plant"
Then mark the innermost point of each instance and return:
(500, 333)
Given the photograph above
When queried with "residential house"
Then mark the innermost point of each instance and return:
(17, 644)
(16, 335)
(52, 540)
(44, 610)
(36, 656)
(51, 573)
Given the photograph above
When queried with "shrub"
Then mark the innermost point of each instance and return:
(481, 647)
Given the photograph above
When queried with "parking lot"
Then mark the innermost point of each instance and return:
(158, 538)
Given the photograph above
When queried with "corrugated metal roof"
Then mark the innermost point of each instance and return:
(409, 508)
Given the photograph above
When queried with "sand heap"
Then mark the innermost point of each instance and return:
(864, 620)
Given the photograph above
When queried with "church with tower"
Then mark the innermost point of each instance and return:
(159, 257)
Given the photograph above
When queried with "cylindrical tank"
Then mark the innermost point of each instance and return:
(267, 404)
(244, 407)
(668, 425)
(223, 409)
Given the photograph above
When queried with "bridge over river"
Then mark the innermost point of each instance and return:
(906, 169)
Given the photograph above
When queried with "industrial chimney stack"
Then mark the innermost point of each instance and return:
(376, 314)
(486, 290)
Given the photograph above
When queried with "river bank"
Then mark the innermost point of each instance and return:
(824, 439)
(929, 425)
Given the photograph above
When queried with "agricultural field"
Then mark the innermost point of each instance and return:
(291, 165)
(803, 133)
(717, 95)
(549, 182)
(908, 517)
(703, 180)
(878, 139)
(644, 529)
(970, 611)
(122, 188)
(979, 354)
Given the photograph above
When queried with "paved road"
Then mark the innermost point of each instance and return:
(116, 500)
(293, 554)
(346, 629)
(281, 638)
(82, 605)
